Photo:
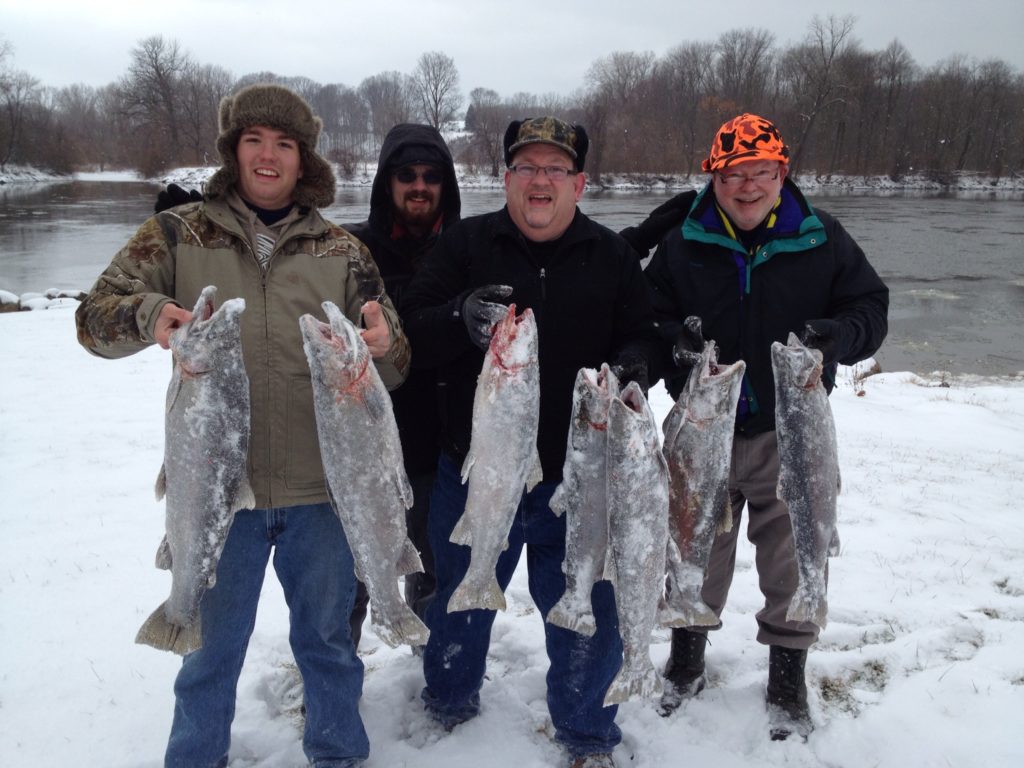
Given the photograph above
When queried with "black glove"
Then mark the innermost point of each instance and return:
(632, 366)
(175, 195)
(823, 335)
(689, 344)
(481, 310)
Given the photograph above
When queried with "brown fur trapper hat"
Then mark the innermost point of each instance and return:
(276, 107)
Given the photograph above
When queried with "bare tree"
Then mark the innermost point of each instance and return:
(18, 91)
(491, 117)
(436, 84)
(390, 100)
(201, 89)
(812, 70)
(150, 98)
(743, 67)
(687, 78)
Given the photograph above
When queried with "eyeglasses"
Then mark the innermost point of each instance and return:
(432, 177)
(553, 172)
(739, 179)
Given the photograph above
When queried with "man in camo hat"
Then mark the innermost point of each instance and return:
(258, 235)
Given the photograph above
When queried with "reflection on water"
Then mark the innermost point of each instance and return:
(953, 264)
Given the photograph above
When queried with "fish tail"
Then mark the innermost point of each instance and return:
(563, 615)
(404, 628)
(160, 633)
(466, 598)
(630, 684)
(812, 608)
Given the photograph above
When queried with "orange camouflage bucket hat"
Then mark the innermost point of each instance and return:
(747, 137)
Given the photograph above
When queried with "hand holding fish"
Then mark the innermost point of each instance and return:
(376, 335)
(171, 318)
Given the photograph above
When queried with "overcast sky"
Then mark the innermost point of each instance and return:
(508, 46)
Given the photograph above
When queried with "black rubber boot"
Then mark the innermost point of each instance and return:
(684, 672)
(787, 694)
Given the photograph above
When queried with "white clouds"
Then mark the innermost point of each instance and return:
(529, 46)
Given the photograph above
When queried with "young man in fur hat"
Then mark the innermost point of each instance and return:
(752, 261)
(258, 235)
(585, 287)
(415, 197)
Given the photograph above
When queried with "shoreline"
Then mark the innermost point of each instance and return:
(964, 183)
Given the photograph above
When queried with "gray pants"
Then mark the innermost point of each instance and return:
(753, 477)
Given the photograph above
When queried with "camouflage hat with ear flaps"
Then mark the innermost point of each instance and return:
(547, 130)
(281, 109)
(746, 137)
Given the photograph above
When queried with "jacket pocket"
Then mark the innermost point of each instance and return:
(303, 467)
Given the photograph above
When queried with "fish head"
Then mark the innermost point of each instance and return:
(713, 388)
(631, 421)
(514, 342)
(592, 395)
(199, 345)
(335, 349)
(795, 364)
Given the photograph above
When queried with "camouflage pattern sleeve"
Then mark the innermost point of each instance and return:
(365, 284)
(119, 314)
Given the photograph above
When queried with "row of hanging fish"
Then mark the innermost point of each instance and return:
(646, 519)
(205, 478)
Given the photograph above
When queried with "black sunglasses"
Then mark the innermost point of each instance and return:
(408, 176)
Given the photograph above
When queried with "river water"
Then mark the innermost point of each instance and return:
(954, 265)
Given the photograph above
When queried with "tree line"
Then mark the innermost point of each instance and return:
(841, 108)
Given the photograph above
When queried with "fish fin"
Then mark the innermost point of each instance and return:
(244, 496)
(608, 572)
(465, 598)
(567, 489)
(725, 523)
(834, 545)
(405, 489)
(163, 555)
(159, 633)
(563, 616)
(463, 532)
(409, 560)
(161, 483)
(536, 472)
(467, 465)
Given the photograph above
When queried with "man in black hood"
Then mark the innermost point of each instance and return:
(415, 196)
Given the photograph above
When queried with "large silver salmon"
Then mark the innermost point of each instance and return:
(698, 447)
(583, 497)
(502, 457)
(808, 472)
(204, 476)
(362, 458)
(637, 538)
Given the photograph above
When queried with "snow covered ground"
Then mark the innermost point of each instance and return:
(921, 664)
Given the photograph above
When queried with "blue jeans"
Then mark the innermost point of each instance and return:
(455, 658)
(313, 562)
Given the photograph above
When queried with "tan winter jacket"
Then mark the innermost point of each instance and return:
(178, 252)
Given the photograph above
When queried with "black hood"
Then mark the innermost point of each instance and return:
(401, 136)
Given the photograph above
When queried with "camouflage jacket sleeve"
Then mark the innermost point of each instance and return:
(118, 316)
(366, 284)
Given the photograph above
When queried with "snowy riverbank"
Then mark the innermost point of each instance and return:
(920, 664)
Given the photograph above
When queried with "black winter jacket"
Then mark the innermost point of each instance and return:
(805, 267)
(590, 301)
(398, 258)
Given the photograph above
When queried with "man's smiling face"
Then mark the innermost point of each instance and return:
(269, 167)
